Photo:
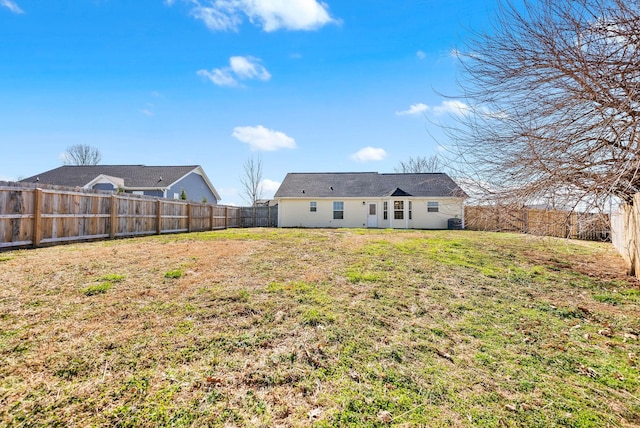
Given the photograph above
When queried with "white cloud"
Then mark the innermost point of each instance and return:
(287, 14)
(414, 109)
(454, 107)
(240, 68)
(421, 54)
(147, 112)
(248, 68)
(269, 187)
(368, 154)
(11, 5)
(221, 16)
(271, 15)
(219, 76)
(457, 53)
(264, 139)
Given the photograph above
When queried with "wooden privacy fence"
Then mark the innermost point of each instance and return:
(47, 215)
(625, 234)
(560, 224)
(259, 216)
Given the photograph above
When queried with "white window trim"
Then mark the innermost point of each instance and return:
(335, 210)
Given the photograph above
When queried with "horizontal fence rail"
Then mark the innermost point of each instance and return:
(36, 216)
(555, 223)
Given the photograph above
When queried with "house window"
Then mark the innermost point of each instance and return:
(432, 207)
(410, 214)
(398, 210)
(313, 207)
(338, 210)
(385, 209)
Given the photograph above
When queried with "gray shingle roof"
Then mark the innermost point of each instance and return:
(367, 184)
(135, 176)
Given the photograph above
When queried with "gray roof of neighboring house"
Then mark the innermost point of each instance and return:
(134, 176)
(367, 184)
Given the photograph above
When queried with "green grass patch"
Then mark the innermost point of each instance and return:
(112, 277)
(355, 276)
(173, 274)
(95, 289)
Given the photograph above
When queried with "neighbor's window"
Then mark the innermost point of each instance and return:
(398, 210)
(410, 214)
(432, 207)
(338, 210)
(385, 209)
(313, 207)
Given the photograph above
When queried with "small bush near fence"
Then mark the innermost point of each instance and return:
(559, 224)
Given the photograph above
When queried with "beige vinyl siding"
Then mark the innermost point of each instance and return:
(447, 208)
(296, 213)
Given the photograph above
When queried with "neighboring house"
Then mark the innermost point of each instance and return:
(370, 199)
(159, 181)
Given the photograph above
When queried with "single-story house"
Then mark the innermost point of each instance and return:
(370, 199)
(159, 181)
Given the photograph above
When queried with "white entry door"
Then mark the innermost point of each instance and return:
(372, 214)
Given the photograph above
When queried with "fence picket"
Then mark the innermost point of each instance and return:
(33, 215)
(556, 223)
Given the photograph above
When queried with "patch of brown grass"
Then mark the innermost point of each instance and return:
(286, 327)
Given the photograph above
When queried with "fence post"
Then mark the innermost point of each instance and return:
(37, 217)
(210, 217)
(188, 216)
(159, 216)
(226, 216)
(114, 216)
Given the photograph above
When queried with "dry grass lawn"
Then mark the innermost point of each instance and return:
(273, 327)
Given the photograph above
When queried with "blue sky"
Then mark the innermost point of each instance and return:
(303, 85)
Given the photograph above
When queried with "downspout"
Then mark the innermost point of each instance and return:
(406, 214)
(279, 204)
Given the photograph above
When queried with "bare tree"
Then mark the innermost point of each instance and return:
(252, 181)
(420, 164)
(82, 154)
(553, 98)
